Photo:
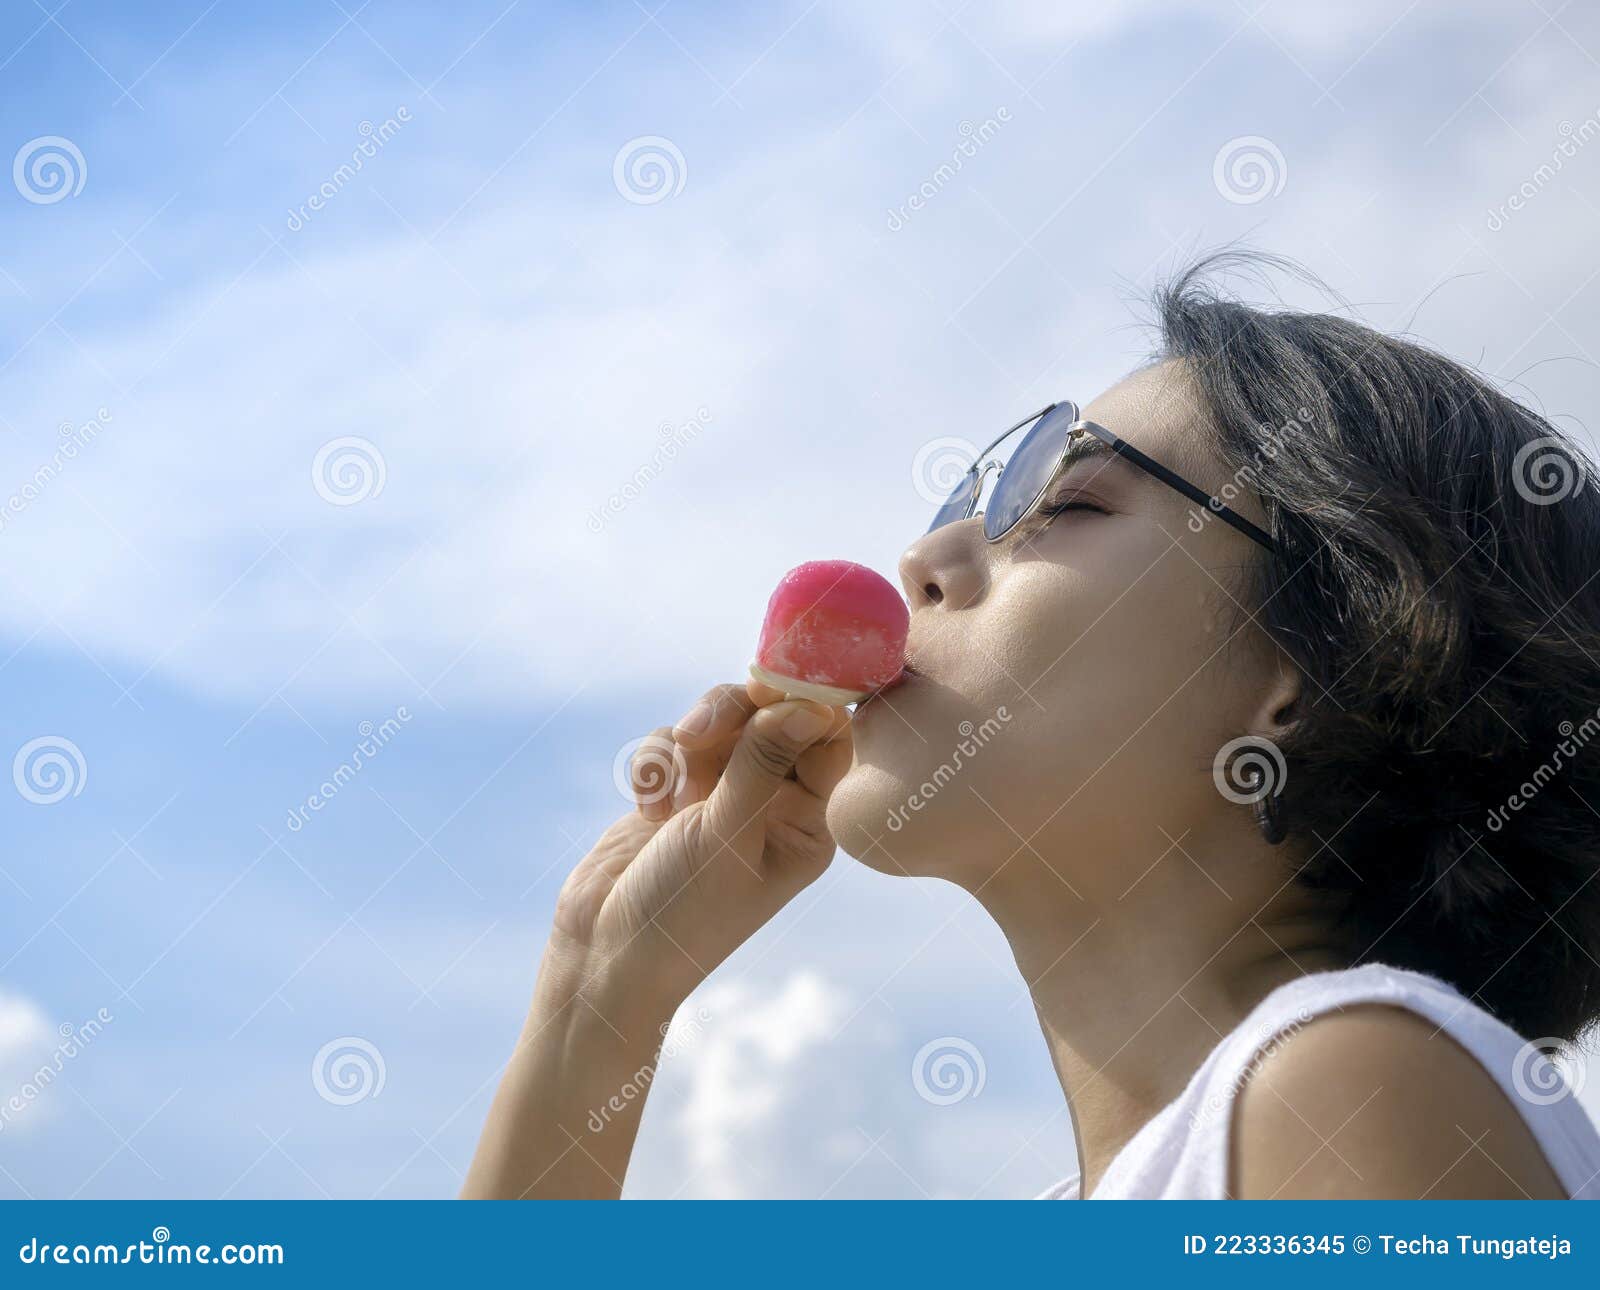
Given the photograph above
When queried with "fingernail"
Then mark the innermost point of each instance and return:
(697, 719)
(805, 724)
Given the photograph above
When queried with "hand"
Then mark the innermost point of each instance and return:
(730, 826)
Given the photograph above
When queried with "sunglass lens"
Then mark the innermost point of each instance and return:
(959, 504)
(1028, 472)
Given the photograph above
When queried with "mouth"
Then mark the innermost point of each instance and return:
(908, 670)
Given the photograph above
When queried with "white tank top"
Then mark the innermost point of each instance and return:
(1182, 1152)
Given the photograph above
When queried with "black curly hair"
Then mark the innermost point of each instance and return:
(1437, 583)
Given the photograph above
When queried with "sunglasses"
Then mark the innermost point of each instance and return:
(1042, 455)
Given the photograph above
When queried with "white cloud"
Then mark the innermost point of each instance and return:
(514, 372)
(741, 1072)
(22, 1029)
(26, 1036)
(503, 418)
(792, 1071)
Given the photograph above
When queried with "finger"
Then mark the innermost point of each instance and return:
(796, 808)
(820, 768)
(764, 695)
(719, 713)
(653, 774)
(704, 765)
(761, 694)
(702, 769)
(840, 725)
(768, 747)
(705, 736)
(797, 836)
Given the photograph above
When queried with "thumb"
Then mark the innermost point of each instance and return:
(770, 743)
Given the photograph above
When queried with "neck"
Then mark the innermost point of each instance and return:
(1133, 989)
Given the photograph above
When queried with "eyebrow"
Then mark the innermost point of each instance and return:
(1088, 448)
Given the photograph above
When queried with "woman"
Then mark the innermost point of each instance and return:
(1288, 648)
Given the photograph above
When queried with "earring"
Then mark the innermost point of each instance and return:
(1269, 818)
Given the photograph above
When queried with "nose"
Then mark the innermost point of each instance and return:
(946, 568)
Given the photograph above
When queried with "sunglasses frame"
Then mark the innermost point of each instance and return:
(1075, 429)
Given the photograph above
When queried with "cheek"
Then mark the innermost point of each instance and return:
(1085, 707)
(1117, 693)
(912, 801)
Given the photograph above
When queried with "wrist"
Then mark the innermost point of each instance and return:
(564, 1119)
(588, 992)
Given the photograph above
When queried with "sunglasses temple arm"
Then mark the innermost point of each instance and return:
(1197, 495)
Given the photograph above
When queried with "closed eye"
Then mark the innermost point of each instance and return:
(1049, 511)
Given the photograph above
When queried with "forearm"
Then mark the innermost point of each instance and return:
(565, 1116)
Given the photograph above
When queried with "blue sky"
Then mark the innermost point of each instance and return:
(508, 327)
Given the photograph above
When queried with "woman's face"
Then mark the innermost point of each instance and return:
(1071, 685)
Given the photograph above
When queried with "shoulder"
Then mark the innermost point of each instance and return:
(1377, 1102)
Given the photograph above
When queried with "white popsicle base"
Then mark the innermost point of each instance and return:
(832, 695)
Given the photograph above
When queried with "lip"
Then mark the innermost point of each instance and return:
(907, 672)
(908, 668)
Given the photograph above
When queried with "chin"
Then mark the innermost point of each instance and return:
(870, 817)
(903, 807)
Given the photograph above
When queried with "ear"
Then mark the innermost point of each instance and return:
(1282, 702)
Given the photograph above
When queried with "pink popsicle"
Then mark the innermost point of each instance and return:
(834, 632)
